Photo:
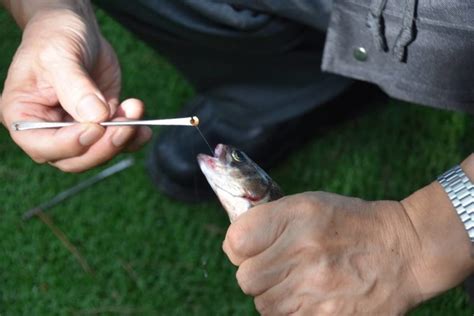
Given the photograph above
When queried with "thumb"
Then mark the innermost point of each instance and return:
(79, 95)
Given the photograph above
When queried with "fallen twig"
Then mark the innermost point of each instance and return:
(72, 249)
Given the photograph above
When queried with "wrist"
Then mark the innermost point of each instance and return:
(446, 257)
(24, 10)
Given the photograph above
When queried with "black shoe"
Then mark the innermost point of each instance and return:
(172, 162)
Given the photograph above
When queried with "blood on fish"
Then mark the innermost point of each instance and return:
(253, 198)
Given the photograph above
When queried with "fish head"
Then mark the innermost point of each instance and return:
(238, 182)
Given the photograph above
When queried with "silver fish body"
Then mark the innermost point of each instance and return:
(238, 182)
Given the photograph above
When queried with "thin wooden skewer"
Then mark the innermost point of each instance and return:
(182, 121)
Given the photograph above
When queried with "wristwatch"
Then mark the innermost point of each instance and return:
(461, 193)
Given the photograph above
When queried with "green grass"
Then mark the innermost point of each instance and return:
(154, 256)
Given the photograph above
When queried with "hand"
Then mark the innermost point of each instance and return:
(323, 254)
(65, 70)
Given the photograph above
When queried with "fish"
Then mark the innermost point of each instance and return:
(238, 182)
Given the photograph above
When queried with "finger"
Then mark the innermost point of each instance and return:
(113, 141)
(282, 299)
(44, 145)
(254, 231)
(142, 136)
(131, 108)
(56, 144)
(78, 93)
(264, 271)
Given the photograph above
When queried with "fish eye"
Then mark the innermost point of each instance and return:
(237, 156)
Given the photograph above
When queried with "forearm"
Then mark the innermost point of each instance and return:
(23, 10)
(447, 254)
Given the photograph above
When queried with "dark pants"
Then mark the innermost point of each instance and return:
(257, 67)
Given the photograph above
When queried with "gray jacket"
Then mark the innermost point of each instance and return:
(418, 51)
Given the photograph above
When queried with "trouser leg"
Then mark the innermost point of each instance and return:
(258, 68)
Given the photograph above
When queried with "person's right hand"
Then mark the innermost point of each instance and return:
(65, 70)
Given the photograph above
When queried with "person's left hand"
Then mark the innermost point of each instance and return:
(319, 254)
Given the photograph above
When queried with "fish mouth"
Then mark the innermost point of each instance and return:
(220, 151)
(219, 156)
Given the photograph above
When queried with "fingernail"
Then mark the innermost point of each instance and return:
(121, 136)
(90, 136)
(92, 109)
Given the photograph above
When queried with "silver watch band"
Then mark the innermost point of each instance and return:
(461, 193)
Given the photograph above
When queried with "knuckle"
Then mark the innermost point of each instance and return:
(331, 307)
(48, 55)
(306, 203)
(316, 197)
(322, 280)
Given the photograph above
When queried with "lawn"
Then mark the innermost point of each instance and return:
(150, 255)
